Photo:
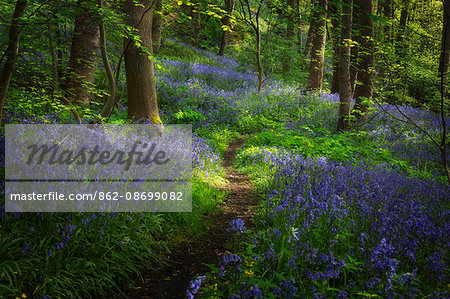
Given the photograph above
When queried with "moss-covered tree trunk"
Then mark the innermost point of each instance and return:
(11, 52)
(83, 53)
(345, 90)
(141, 87)
(226, 22)
(365, 64)
(318, 46)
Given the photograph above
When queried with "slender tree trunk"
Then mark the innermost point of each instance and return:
(157, 26)
(259, 64)
(226, 22)
(11, 52)
(387, 14)
(402, 46)
(335, 40)
(309, 36)
(318, 47)
(83, 53)
(141, 87)
(443, 69)
(286, 62)
(298, 6)
(345, 90)
(445, 54)
(354, 49)
(111, 101)
(364, 89)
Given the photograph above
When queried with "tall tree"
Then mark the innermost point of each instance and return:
(298, 8)
(445, 53)
(226, 23)
(365, 63)
(251, 16)
(318, 24)
(345, 90)
(140, 74)
(309, 35)
(335, 37)
(443, 70)
(83, 53)
(11, 52)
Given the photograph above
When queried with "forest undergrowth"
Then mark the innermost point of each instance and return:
(358, 213)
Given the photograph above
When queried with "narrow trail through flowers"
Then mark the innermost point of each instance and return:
(187, 260)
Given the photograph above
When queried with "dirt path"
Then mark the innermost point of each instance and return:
(186, 261)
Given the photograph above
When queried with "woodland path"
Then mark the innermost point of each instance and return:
(187, 260)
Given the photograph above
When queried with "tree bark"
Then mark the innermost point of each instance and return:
(11, 52)
(443, 70)
(157, 26)
(318, 47)
(83, 53)
(345, 90)
(111, 100)
(226, 22)
(259, 64)
(402, 46)
(298, 6)
(335, 40)
(309, 35)
(141, 87)
(445, 53)
(387, 14)
(365, 65)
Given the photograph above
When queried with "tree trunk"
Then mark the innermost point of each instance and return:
(298, 5)
(286, 62)
(354, 49)
(345, 90)
(226, 22)
(157, 26)
(141, 87)
(365, 65)
(318, 47)
(387, 14)
(445, 54)
(12, 52)
(402, 46)
(443, 70)
(309, 36)
(83, 53)
(259, 64)
(111, 100)
(335, 40)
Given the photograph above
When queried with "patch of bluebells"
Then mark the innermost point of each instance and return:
(237, 225)
(383, 219)
(194, 286)
(407, 141)
(349, 226)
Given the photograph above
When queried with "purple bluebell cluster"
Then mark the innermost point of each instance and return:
(237, 225)
(406, 140)
(362, 222)
(194, 286)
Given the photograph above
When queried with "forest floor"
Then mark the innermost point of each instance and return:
(188, 259)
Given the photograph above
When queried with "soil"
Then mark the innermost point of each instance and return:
(187, 260)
